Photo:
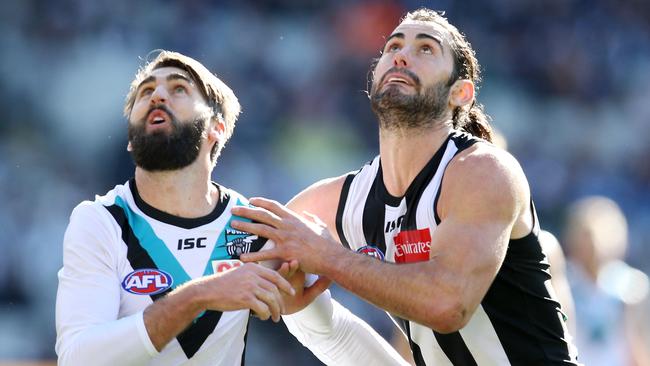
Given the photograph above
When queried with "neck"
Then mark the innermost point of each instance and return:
(187, 192)
(405, 152)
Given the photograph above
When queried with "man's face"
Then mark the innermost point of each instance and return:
(411, 79)
(167, 121)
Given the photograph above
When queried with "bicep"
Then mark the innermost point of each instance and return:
(470, 254)
(482, 197)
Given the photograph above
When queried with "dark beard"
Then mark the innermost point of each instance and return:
(396, 110)
(162, 151)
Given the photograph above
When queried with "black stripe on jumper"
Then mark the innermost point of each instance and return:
(194, 335)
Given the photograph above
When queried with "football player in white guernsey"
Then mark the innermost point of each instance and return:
(449, 215)
(150, 270)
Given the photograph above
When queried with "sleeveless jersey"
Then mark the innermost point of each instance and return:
(519, 321)
(141, 254)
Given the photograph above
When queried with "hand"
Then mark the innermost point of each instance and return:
(250, 286)
(304, 295)
(295, 237)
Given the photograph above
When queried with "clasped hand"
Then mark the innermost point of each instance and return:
(303, 239)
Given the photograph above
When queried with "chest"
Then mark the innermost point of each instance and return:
(407, 230)
(158, 256)
(195, 250)
(402, 228)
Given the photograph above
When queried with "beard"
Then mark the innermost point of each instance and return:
(396, 110)
(162, 150)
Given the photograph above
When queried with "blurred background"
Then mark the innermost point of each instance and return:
(567, 82)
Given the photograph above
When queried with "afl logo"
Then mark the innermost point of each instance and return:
(372, 251)
(147, 281)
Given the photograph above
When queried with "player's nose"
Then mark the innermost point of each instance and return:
(159, 95)
(400, 59)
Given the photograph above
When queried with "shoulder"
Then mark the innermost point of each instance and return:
(88, 212)
(319, 193)
(320, 199)
(121, 194)
(487, 165)
(484, 157)
(232, 196)
(485, 177)
(86, 207)
(94, 218)
(91, 233)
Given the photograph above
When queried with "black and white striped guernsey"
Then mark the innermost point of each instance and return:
(518, 322)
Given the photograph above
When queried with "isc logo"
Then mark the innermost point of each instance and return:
(147, 281)
(190, 243)
(394, 224)
(220, 266)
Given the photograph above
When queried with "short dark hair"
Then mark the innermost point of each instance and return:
(217, 94)
(473, 119)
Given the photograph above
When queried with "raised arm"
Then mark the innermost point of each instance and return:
(484, 193)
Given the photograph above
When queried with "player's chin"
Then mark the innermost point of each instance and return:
(395, 94)
(398, 87)
(160, 128)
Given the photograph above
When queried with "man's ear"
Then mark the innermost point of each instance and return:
(461, 93)
(217, 129)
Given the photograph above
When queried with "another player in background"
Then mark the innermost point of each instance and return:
(608, 292)
(446, 218)
(150, 272)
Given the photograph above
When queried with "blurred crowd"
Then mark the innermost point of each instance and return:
(567, 82)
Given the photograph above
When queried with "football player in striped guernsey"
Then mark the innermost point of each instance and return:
(463, 273)
(150, 270)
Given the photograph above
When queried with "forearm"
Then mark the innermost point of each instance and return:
(414, 291)
(250, 286)
(88, 331)
(170, 315)
(121, 342)
(147, 333)
(337, 337)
